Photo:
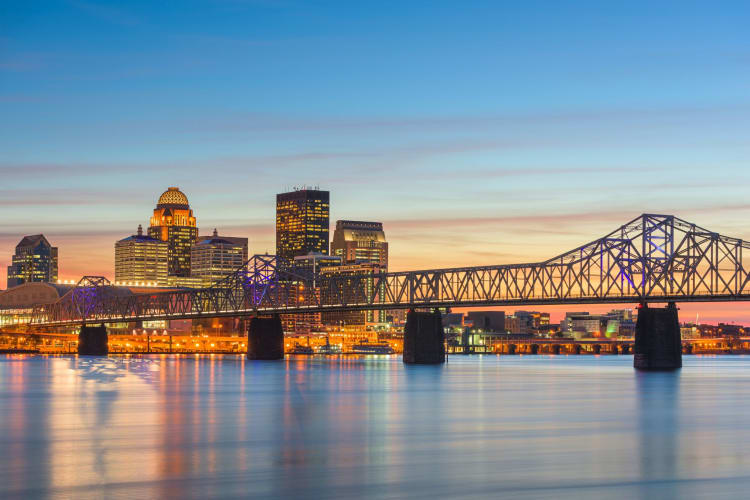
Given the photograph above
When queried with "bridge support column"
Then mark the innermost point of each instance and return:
(423, 338)
(92, 341)
(657, 339)
(265, 338)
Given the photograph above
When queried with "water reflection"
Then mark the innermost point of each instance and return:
(524, 427)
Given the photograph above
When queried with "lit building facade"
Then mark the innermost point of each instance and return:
(615, 323)
(34, 260)
(354, 318)
(302, 219)
(358, 242)
(527, 322)
(141, 258)
(243, 242)
(212, 259)
(173, 221)
(308, 265)
(313, 262)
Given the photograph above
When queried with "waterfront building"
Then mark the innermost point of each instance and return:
(527, 322)
(173, 221)
(213, 258)
(34, 260)
(453, 320)
(301, 223)
(613, 324)
(512, 324)
(489, 321)
(359, 242)
(566, 325)
(141, 258)
(17, 303)
(354, 318)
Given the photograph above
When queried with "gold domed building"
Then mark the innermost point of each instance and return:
(173, 221)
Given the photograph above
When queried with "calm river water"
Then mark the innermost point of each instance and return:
(479, 427)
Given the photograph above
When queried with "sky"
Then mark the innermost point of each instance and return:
(477, 132)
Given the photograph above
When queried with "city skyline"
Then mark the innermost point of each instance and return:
(285, 249)
(730, 313)
(517, 142)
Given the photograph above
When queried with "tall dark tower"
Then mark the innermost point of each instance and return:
(35, 260)
(301, 223)
(173, 221)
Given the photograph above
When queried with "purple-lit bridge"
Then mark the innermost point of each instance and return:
(653, 258)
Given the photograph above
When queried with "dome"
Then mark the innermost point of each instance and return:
(174, 198)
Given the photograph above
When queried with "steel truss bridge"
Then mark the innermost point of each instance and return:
(653, 258)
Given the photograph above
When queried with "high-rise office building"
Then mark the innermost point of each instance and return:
(173, 221)
(358, 242)
(360, 273)
(237, 240)
(301, 223)
(35, 260)
(313, 262)
(212, 259)
(140, 258)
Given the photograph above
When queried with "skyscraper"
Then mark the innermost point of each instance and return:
(356, 272)
(141, 258)
(312, 263)
(173, 221)
(237, 240)
(35, 260)
(212, 259)
(301, 223)
(358, 242)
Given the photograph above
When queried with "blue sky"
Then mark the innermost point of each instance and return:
(478, 132)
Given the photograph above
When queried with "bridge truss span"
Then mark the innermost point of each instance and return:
(651, 258)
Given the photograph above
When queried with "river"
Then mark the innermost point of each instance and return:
(207, 426)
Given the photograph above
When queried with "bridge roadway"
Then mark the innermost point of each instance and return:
(653, 258)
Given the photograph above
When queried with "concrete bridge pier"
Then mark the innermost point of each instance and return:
(92, 341)
(265, 338)
(423, 338)
(657, 339)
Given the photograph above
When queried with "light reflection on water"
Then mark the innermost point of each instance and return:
(478, 427)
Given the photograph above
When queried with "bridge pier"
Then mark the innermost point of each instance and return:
(265, 338)
(657, 339)
(423, 338)
(92, 341)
